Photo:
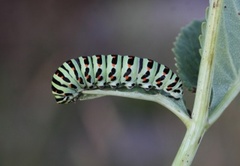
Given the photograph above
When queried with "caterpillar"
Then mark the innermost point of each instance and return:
(114, 71)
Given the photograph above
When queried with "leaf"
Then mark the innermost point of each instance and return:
(226, 76)
(186, 50)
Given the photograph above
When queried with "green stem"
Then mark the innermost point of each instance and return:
(189, 145)
(175, 106)
(198, 125)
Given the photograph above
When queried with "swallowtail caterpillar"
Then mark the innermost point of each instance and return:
(112, 71)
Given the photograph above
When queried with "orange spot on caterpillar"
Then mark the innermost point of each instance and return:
(169, 88)
(112, 77)
(144, 79)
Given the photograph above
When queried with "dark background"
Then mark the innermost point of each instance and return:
(38, 36)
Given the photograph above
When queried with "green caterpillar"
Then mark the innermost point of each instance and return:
(114, 71)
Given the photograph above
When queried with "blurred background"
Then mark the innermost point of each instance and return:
(38, 36)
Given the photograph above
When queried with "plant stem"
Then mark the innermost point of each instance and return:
(189, 145)
(175, 106)
(199, 122)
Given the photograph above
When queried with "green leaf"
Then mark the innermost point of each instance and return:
(186, 50)
(226, 76)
